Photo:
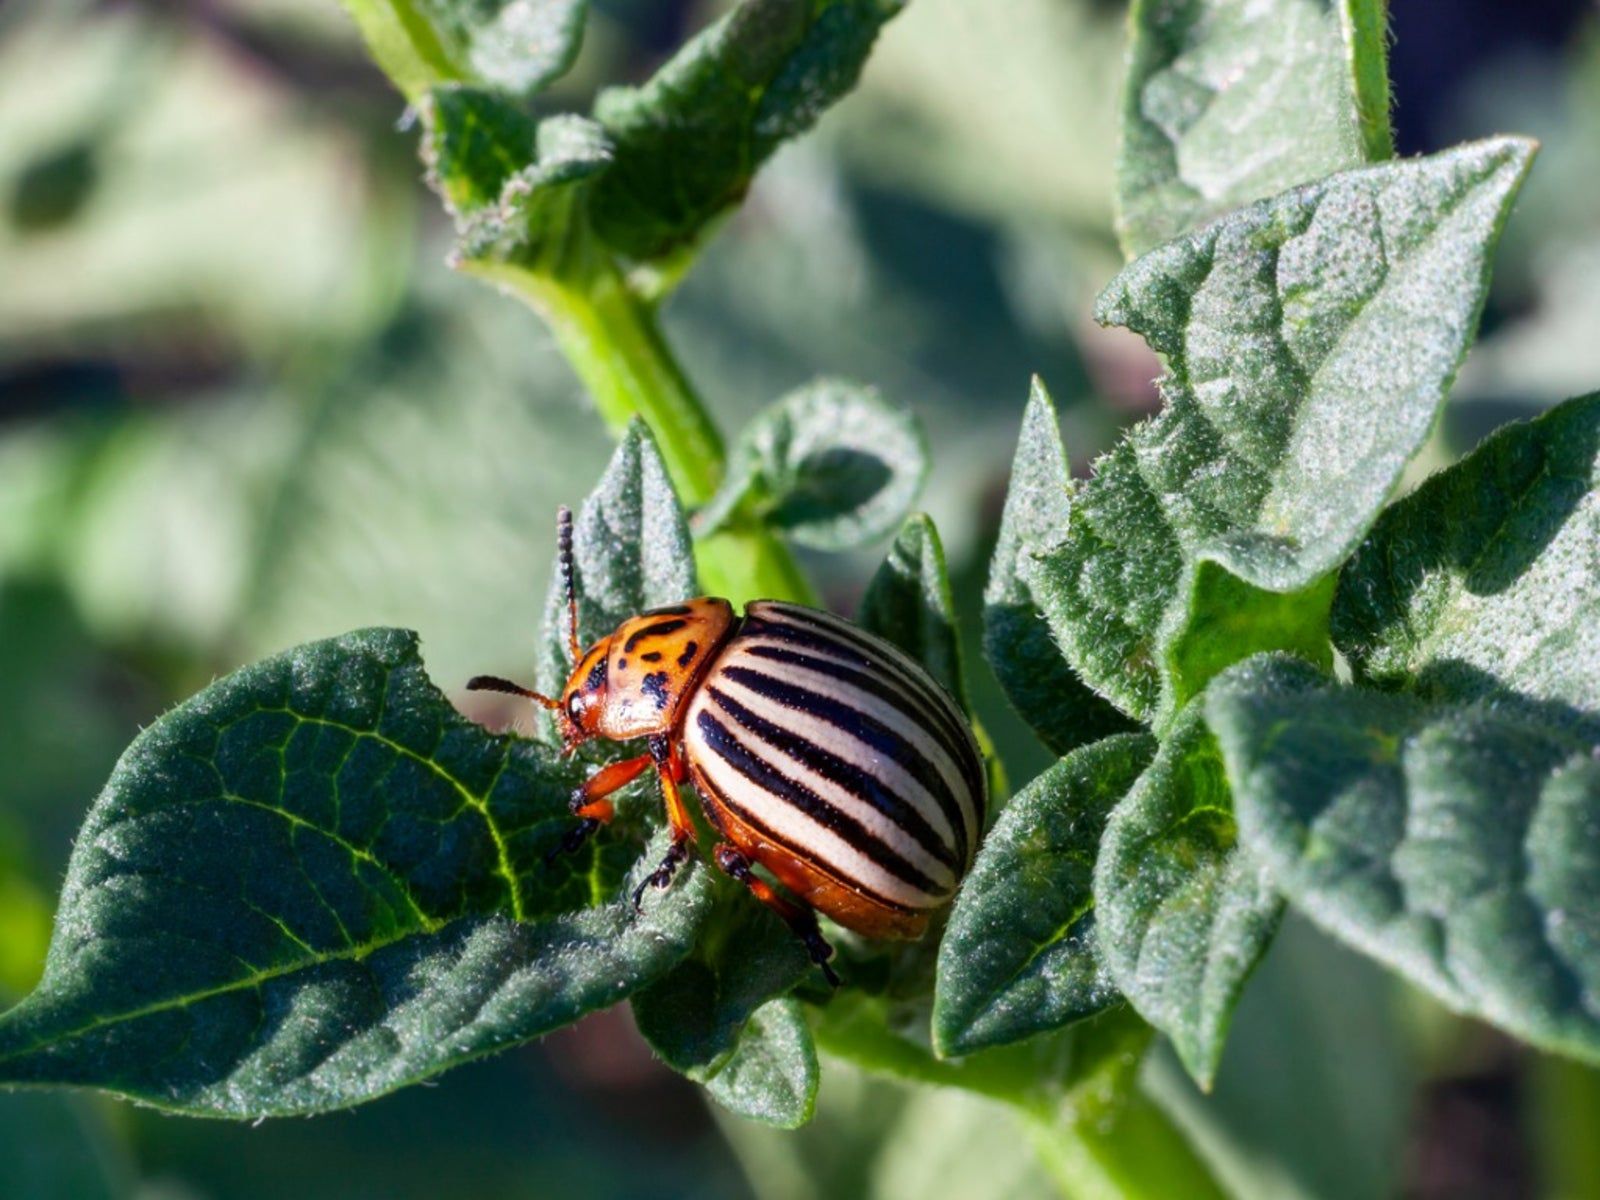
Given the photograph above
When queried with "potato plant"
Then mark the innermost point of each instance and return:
(1272, 676)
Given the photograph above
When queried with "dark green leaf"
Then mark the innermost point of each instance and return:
(514, 187)
(689, 140)
(1310, 340)
(1184, 913)
(909, 603)
(772, 1075)
(630, 551)
(1020, 956)
(1227, 102)
(306, 887)
(1454, 842)
(831, 465)
(659, 163)
(1487, 577)
(714, 1016)
(516, 46)
(1017, 642)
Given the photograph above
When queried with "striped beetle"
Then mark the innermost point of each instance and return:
(820, 753)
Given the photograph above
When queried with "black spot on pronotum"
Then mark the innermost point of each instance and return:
(689, 651)
(659, 629)
(651, 656)
(655, 686)
(622, 664)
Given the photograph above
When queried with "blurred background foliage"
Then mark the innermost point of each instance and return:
(244, 403)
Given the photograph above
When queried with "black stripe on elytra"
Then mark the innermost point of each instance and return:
(935, 712)
(871, 733)
(853, 780)
(690, 649)
(808, 633)
(657, 629)
(954, 740)
(597, 675)
(892, 658)
(729, 747)
(651, 656)
(908, 671)
(669, 610)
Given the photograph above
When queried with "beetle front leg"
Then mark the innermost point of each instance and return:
(798, 917)
(669, 768)
(590, 803)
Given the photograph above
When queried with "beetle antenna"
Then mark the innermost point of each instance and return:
(564, 555)
(493, 683)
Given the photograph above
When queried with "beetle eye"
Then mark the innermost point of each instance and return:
(574, 706)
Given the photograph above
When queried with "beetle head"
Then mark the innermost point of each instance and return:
(583, 700)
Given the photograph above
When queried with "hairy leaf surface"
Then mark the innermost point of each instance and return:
(1452, 841)
(630, 551)
(655, 167)
(1487, 577)
(517, 46)
(308, 886)
(1040, 684)
(689, 140)
(909, 602)
(831, 465)
(1184, 912)
(1310, 340)
(1230, 101)
(717, 1016)
(1020, 955)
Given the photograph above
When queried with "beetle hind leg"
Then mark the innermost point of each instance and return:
(798, 917)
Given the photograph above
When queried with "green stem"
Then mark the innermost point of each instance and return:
(613, 341)
(1118, 1147)
(1076, 1090)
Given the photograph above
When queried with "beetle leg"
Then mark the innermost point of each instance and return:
(800, 919)
(670, 770)
(590, 805)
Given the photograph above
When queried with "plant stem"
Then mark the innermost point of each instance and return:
(1119, 1148)
(613, 341)
(1076, 1090)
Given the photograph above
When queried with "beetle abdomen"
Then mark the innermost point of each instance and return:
(836, 747)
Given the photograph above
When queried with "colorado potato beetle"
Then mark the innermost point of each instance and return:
(821, 753)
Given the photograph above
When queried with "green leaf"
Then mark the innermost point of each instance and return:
(515, 46)
(689, 140)
(1227, 102)
(831, 465)
(773, 1073)
(1019, 956)
(1184, 913)
(715, 1018)
(909, 602)
(630, 551)
(1016, 641)
(307, 886)
(515, 187)
(1310, 340)
(658, 163)
(1454, 842)
(1487, 577)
